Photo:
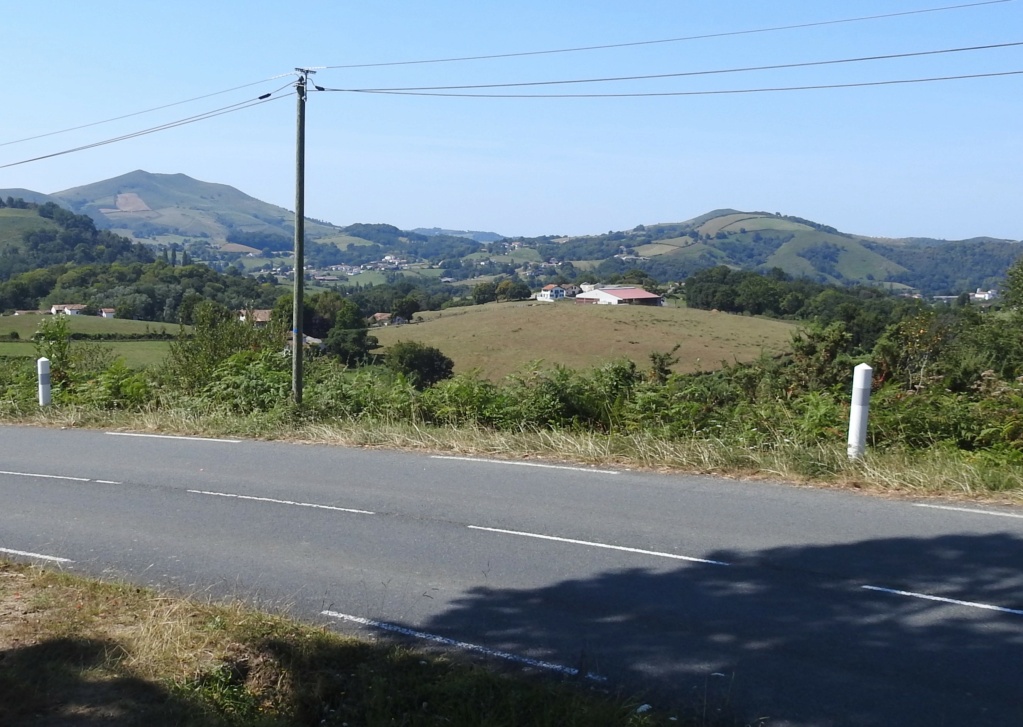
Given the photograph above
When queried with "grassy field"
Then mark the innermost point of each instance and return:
(25, 326)
(500, 338)
(136, 354)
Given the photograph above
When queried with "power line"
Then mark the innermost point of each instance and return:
(240, 106)
(674, 40)
(145, 111)
(688, 73)
(685, 93)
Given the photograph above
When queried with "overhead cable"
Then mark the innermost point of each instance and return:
(721, 92)
(144, 111)
(152, 130)
(745, 69)
(682, 39)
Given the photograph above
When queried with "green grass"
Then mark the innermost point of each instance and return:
(500, 338)
(136, 354)
(27, 325)
(14, 223)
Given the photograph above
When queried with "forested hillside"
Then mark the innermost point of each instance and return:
(69, 238)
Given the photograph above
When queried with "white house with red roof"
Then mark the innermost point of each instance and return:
(551, 293)
(619, 295)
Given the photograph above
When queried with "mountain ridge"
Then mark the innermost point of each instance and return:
(164, 209)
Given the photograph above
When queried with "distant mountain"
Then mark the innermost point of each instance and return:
(147, 205)
(800, 247)
(471, 234)
(29, 196)
(163, 208)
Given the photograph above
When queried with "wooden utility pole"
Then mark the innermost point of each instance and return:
(297, 335)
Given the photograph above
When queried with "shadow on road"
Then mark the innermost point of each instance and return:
(789, 634)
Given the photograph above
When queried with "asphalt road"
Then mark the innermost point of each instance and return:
(798, 606)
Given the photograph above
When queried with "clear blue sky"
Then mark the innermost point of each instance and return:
(929, 159)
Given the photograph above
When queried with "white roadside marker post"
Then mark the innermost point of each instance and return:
(43, 368)
(862, 377)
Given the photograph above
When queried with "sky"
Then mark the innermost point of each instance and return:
(936, 159)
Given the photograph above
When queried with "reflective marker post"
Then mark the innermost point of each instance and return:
(862, 377)
(43, 369)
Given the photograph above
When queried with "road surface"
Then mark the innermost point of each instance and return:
(795, 605)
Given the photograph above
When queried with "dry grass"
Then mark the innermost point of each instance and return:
(501, 338)
(928, 473)
(75, 651)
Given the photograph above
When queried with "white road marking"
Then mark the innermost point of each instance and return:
(622, 548)
(47, 477)
(59, 477)
(527, 464)
(170, 436)
(550, 666)
(971, 604)
(969, 509)
(40, 556)
(282, 502)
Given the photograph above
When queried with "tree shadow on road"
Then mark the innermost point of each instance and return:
(788, 634)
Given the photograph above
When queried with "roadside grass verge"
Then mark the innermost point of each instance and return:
(80, 651)
(935, 472)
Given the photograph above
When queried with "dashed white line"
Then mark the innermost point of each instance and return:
(954, 601)
(527, 464)
(38, 556)
(47, 477)
(282, 502)
(975, 511)
(174, 436)
(622, 548)
(540, 664)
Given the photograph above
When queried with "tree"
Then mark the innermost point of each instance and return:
(351, 345)
(405, 307)
(484, 293)
(422, 365)
(1012, 292)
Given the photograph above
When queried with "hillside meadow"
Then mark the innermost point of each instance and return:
(501, 338)
(136, 354)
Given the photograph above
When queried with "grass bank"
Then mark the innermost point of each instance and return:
(78, 651)
(936, 472)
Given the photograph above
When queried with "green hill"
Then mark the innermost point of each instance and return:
(215, 219)
(142, 204)
(803, 248)
(14, 223)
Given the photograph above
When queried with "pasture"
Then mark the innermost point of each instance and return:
(502, 338)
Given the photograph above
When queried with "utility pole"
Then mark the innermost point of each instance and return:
(297, 335)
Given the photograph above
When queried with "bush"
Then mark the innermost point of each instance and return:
(421, 365)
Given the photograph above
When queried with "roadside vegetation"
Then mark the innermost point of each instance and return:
(946, 412)
(77, 651)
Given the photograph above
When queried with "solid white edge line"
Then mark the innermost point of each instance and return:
(957, 602)
(40, 556)
(46, 477)
(622, 548)
(969, 509)
(527, 464)
(282, 502)
(549, 666)
(172, 436)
